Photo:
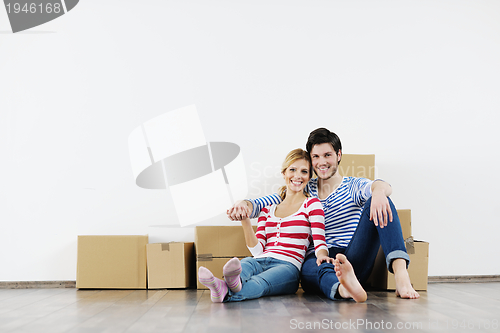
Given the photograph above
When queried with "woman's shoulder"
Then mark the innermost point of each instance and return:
(311, 201)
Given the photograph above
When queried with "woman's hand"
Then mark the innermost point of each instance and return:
(239, 211)
(323, 258)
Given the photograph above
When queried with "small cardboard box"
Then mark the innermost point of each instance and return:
(220, 242)
(214, 265)
(418, 269)
(111, 262)
(354, 165)
(171, 265)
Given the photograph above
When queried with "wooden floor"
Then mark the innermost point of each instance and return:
(446, 307)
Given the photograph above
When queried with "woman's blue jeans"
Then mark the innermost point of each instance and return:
(265, 277)
(361, 253)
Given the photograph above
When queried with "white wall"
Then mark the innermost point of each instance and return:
(414, 82)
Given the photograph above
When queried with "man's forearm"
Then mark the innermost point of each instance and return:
(249, 205)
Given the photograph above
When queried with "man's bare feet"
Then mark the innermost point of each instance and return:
(349, 285)
(404, 288)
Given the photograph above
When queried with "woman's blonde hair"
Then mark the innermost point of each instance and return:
(295, 155)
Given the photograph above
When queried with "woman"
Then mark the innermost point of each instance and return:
(284, 233)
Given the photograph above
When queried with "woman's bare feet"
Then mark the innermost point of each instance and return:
(404, 288)
(349, 285)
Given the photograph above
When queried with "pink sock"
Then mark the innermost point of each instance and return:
(218, 287)
(232, 271)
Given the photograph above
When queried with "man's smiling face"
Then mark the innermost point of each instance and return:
(325, 160)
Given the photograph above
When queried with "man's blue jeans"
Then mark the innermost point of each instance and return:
(265, 277)
(360, 252)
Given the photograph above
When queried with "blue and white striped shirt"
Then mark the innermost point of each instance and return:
(343, 207)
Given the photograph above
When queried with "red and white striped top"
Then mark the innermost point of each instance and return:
(287, 238)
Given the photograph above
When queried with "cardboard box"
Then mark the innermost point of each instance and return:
(220, 242)
(215, 245)
(111, 262)
(214, 265)
(171, 265)
(418, 269)
(353, 165)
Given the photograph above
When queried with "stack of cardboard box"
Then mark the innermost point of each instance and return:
(364, 166)
(419, 260)
(129, 262)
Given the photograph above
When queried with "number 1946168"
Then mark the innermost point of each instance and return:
(34, 8)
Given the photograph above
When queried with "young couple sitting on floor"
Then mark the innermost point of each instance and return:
(323, 231)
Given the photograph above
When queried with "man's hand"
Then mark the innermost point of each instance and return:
(239, 211)
(380, 210)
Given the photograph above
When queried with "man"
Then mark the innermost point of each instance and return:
(359, 217)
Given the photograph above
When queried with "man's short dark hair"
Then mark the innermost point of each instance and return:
(322, 135)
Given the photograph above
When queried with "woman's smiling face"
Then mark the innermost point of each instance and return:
(297, 175)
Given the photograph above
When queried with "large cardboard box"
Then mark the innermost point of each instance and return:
(418, 269)
(220, 242)
(171, 265)
(215, 245)
(111, 262)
